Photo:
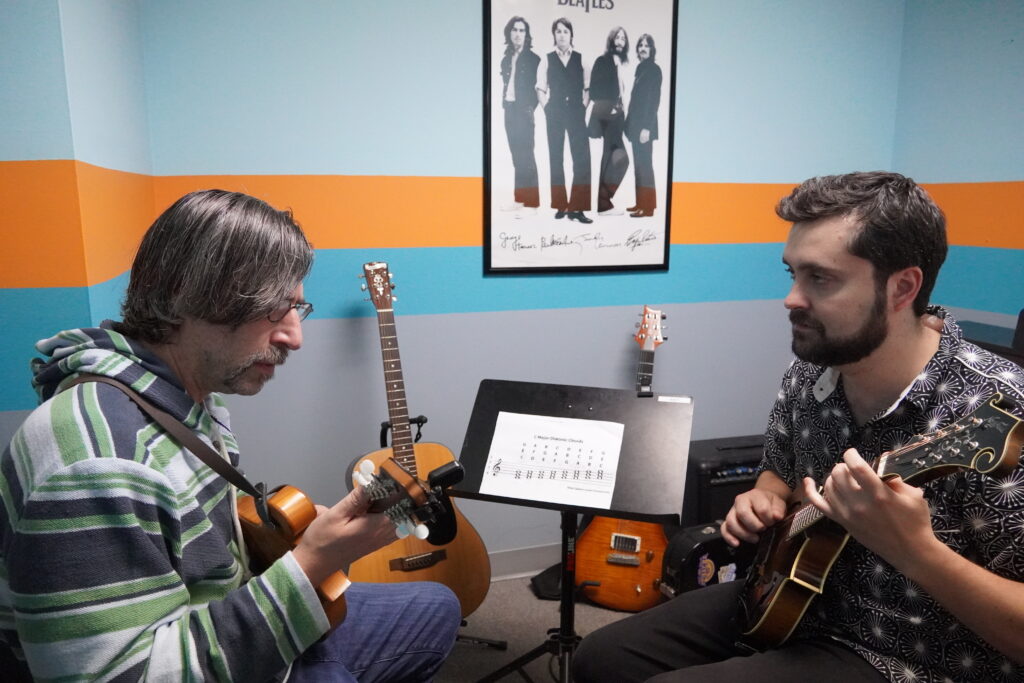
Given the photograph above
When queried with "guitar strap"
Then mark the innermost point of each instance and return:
(187, 438)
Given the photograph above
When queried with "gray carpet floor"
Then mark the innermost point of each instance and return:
(512, 613)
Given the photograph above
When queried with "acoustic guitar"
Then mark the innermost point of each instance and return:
(795, 555)
(407, 501)
(618, 561)
(453, 553)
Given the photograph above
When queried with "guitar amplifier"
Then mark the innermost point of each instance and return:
(718, 471)
(698, 556)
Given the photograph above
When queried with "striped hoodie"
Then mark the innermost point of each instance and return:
(119, 558)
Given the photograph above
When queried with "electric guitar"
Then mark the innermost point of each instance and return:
(407, 501)
(795, 555)
(453, 552)
(618, 561)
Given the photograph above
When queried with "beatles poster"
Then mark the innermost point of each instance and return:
(578, 127)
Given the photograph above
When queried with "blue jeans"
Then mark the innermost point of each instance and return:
(393, 632)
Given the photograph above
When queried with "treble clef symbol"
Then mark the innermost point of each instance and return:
(496, 470)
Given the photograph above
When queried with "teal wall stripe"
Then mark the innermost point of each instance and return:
(31, 315)
(982, 278)
(446, 280)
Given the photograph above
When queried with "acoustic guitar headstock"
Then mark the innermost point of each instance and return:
(378, 284)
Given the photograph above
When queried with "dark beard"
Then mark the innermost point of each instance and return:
(816, 348)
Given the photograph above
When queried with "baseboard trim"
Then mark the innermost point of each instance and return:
(523, 562)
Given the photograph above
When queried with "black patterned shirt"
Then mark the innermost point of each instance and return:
(867, 604)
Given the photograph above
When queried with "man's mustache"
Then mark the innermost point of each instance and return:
(272, 356)
(799, 317)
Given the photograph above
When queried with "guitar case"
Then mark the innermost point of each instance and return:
(698, 556)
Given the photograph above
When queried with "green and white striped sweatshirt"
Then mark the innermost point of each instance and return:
(119, 558)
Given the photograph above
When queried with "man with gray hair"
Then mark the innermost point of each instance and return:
(121, 552)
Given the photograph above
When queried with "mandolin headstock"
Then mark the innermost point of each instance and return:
(988, 440)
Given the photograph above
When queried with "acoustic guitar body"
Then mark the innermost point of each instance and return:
(625, 557)
(461, 564)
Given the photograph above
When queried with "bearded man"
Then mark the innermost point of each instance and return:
(929, 585)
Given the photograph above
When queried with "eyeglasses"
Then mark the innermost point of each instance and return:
(303, 308)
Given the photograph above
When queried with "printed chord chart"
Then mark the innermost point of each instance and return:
(551, 459)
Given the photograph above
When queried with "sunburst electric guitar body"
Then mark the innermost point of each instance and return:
(619, 561)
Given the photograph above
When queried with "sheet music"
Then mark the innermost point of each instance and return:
(553, 459)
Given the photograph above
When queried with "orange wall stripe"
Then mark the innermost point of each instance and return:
(117, 207)
(41, 225)
(358, 212)
(727, 213)
(982, 214)
(68, 223)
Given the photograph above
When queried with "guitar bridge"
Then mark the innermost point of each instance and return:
(620, 558)
(415, 562)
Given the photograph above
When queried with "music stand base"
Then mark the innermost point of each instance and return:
(486, 642)
(562, 641)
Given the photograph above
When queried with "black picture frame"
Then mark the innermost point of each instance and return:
(538, 216)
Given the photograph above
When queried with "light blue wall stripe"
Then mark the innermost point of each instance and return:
(103, 54)
(33, 92)
(772, 92)
(766, 92)
(961, 104)
(390, 87)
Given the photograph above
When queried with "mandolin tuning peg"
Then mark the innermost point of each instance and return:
(362, 287)
(394, 298)
(360, 276)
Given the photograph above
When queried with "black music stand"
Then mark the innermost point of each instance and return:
(649, 480)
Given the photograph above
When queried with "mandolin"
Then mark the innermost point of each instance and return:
(795, 555)
(619, 561)
(453, 553)
(407, 501)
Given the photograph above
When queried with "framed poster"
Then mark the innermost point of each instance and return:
(578, 134)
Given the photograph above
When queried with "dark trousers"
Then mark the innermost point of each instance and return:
(614, 160)
(692, 638)
(561, 121)
(519, 131)
(643, 172)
